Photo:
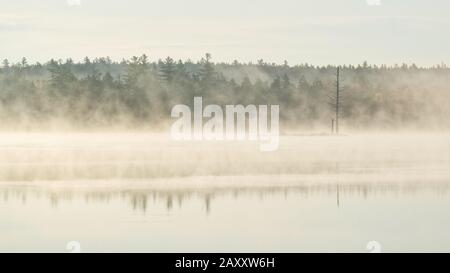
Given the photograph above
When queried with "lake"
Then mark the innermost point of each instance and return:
(141, 192)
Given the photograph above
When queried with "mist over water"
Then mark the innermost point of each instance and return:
(86, 155)
(29, 157)
(331, 123)
(316, 193)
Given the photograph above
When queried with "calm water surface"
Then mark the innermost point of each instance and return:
(116, 197)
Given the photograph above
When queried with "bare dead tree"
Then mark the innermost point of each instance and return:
(335, 101)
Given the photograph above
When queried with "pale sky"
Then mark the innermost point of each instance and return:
(315, 31)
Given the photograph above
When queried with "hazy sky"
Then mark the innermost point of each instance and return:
(314, 31)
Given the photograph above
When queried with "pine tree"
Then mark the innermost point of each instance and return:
(5, 64)
(167, 69)
(207, 71)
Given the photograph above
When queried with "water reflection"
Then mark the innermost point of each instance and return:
(145, 193)
(142, 199)
(336, 217)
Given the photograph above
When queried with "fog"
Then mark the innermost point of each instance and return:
(139, 93)
(86, 153)
(142, 156)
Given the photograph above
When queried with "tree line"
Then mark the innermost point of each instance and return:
(137, 92)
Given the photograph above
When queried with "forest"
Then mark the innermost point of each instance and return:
(138, 93)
